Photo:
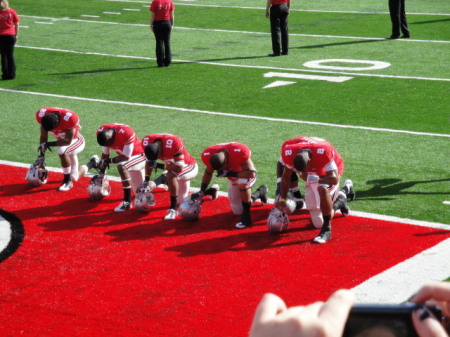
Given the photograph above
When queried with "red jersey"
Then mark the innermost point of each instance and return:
(67, 120)
(172, 146)
(7, 20)
(279, 2)
(124, 136)
(324, 157)
(237, 155)
(162, 9)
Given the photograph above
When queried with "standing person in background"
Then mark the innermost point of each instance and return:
(398, 19)
(278, 11)
(161, 23)
(9, 30)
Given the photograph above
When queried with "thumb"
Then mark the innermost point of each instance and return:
(426, 324)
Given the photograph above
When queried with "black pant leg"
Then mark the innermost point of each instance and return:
(284, 29)
(403, 22)
(394, 10)
(7, 43)
(275, 28)
(162, 30)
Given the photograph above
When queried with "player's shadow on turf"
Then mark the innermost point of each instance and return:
(338, 44)
(150, 226)
(225, 59)
(382, 189)
(430, 21)
(243, 240)
(107, 70)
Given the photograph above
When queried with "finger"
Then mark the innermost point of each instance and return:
(438, 291)
(335, 311)
(269, 307)
(426, 324)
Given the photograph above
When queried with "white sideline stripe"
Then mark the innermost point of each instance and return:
(398, 283)
(225, 114)
(238, 65)
(263, 8)
(234, 31)
(395, 284)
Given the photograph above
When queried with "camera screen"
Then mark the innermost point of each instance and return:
(380, 321)
(379, 327)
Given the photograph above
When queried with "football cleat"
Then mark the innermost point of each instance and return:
(263, 190)
(299, 203)
(245, 222)
(350, 191)
(344, 208)
(324, 236)
(215, 191)
(190, 210)
(65, 186)
(93, 162)
(171, 214)
(123, 206)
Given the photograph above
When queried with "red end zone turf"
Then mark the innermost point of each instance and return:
(84, 270)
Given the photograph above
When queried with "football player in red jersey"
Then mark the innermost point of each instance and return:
(64, 125)
(233, 161)
(179, 165)
(321, 166)
(130, 158)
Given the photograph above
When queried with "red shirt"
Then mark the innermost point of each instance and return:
(324, 157)
(67, 120)
(279, 2)
(237, 155)
(7, 20)
(162, 9)
(171, 146)
(124, 135)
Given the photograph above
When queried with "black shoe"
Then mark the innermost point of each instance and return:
(299, 203)
(405, 36)
(324, 236)
(273, 55)
(392, 37)
(284, 53)
(263, 191)
(344, 209)
(245, 222)
(350, 191)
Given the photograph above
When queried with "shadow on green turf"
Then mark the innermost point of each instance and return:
(395, 187)
(431, 21)
(101, 71)
(338, 44)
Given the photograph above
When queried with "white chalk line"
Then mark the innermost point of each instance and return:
(96, 100)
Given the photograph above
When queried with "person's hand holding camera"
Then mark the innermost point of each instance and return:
(424, 321)
(274, 319)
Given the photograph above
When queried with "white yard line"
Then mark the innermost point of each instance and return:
(231, 31)
(263, 8)
(224, 114)
(238, 65)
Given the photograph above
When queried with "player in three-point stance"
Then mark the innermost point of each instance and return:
(179, 166)
(321, 167)
(233, 161)
(130, 158)
(64, 125)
